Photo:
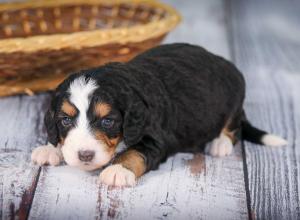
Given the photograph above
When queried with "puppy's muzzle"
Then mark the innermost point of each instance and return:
(86, 155)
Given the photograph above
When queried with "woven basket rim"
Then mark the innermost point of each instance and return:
(121, 35)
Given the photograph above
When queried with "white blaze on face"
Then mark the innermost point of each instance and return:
(80, 138)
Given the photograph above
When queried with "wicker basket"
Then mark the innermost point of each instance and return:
(42, 41)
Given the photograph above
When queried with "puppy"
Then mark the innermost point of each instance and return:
(172, 98)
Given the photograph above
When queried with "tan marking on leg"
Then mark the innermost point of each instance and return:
(68, 108)
(132, 160)
(62, 140)
(230, 134)
(102, 109)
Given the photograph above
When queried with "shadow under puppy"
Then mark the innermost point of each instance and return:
(172, 98)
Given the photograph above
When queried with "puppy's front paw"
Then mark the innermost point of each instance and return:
(47, 154)
(117, 175)
(220, 147)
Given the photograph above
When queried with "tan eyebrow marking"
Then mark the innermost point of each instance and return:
(68, 108)
(102, 109)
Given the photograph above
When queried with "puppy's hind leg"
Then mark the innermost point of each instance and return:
(223, 145)
(220, 146)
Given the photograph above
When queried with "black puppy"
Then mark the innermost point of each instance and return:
(172, 98)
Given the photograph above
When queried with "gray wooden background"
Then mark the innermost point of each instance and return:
(262, 37)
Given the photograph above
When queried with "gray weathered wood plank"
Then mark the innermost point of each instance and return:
(20, 130)
(266, 42)
(186, 186)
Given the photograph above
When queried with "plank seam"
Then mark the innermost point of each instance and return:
(35, 183)
(246, 180)
(230, 39)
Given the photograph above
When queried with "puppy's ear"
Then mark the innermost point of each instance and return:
(50, 124)
(135, 120)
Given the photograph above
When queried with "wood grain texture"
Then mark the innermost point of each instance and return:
(20, 130)
(185, 187)
(266, 43)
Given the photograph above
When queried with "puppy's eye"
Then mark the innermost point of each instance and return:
(66, 121)
(107, 123)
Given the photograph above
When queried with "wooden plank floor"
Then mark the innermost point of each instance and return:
(266, 42)
(263, 38)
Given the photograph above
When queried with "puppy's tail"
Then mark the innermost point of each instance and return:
(257, 136)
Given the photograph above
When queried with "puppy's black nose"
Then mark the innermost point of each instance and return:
(86, 155)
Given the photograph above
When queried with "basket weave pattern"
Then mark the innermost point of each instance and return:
(42, 41)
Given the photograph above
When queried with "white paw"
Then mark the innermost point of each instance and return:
(220, 147)
(117, 175)
(47, 154)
